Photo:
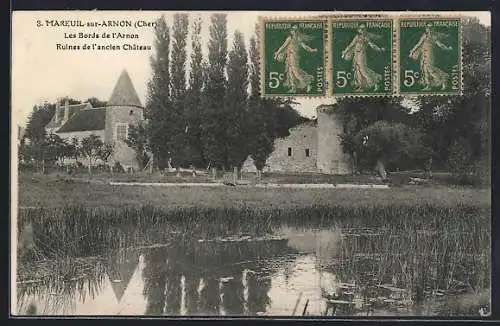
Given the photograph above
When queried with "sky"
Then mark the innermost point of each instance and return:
(41, 73)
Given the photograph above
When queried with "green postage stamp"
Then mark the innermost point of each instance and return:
(430, 56)
(362, 57)
(294, 56)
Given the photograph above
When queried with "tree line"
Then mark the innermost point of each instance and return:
(213, 116)
(52, 149)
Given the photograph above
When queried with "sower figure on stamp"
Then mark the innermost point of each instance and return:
(364, 77)
(423, 51)
(289, 52)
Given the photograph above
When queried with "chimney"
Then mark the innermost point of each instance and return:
(66, 109)
(57, 109)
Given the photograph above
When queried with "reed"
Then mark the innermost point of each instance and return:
(419, 248)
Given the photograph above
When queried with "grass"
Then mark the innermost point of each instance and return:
(42, 191)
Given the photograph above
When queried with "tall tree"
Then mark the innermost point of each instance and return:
(40, 117)
(194, 152)
(176, 128)
(261, 122)
(236, 103)
(179, 56)
(254, 55)
(91, 148)
(213, 120)
(158, 104)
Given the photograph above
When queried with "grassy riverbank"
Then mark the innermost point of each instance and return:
(42, 191)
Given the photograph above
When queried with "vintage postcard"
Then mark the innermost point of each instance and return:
(208, 164)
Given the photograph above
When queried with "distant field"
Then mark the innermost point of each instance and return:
(37, 190)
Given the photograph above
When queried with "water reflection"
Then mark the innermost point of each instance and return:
(211, 278)
(337, 272)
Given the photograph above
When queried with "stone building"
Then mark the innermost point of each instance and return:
(311, 147)
(110, 123)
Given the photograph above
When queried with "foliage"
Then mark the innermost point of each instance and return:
(138, 141)
(75, 148)
(450, 122)
(158, 104)
(178, 57)
(388, 142)
(192, 115)
(261, 143)
(175, 130)
(213, 122)
(236, 104)
(96, 103)
(40, 117)
(58, 148)
(93, 148)
(359, 113)
(285, 117)
(49, 149)
(105, 151)
(460, 160)
(260, 121)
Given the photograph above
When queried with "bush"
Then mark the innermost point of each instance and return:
(467, 169)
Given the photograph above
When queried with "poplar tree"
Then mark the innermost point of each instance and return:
(213, 120)
(158, 104)
(261, 121)
(176, 124)
(236, 104)
(194, 152)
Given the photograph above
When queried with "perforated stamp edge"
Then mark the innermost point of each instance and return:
(460, 53)
(262, 62)
(347, 17)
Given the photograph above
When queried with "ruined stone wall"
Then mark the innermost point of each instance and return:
(331, 159)
(301, 138)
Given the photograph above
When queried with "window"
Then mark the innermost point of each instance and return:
(121, 131)
(131, 112)
(307, 152)
(289, 151)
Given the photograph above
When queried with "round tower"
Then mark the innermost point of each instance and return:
(123, 109)
(331, 158)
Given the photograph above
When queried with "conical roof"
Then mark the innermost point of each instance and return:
(124, 93)
(120, 270)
